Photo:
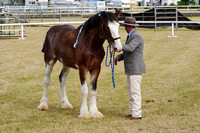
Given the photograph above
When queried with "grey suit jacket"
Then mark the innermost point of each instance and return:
(133, 54)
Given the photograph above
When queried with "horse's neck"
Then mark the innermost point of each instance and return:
(95, 39)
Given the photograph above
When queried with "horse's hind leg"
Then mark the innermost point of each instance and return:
(48, 69)
(64, 102)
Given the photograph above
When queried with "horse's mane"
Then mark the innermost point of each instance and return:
(94, 21)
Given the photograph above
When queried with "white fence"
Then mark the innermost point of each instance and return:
(79, 22)
(28, 13)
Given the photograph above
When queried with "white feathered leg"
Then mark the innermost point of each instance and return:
(84, 108)
(93, 105)
(64, 102)
(93, 94)
(44, 101)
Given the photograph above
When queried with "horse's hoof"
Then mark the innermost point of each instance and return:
(43, 106)
(84, 115)
(97, 114)
(66, 106)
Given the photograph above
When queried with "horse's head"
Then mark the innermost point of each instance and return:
(110, 29)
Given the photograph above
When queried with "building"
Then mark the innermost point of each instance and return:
(197, 2)
(12, 2)
(23, 2)
(168, 2)
(153, 2)
(61, 2)
(111, 3)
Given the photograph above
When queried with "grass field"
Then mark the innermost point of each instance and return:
(170, 88)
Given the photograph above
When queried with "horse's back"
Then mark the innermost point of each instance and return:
(57, 37)
(60, 28)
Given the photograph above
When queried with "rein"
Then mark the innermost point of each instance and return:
(111, 63)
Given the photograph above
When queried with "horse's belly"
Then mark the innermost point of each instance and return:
(68, 59)
(69, 63)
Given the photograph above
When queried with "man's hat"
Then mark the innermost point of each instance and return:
(130, 21)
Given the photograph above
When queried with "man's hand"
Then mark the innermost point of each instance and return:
(116, 59)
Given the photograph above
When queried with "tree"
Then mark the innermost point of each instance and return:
(187, 2)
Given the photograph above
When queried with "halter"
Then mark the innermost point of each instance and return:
(116, 38)
(113, 40)
(76, 43)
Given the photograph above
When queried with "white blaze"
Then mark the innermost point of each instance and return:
(114, 29)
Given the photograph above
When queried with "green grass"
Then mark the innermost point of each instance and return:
(170, 88)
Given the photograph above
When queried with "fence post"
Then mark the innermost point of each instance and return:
(22, 32)
(176, 17)
(68, 13)
(172, 30)
(54, 18)
(81, 12)
(60, 15)
(41, 15)
(155, 14)
(131, 11)
(29, 18)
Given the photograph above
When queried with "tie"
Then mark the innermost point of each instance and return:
(127, 38)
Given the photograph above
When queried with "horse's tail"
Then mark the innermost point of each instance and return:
(46, 41)
(43, 46)
(47, 45)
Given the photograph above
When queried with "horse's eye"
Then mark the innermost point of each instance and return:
(105, 27)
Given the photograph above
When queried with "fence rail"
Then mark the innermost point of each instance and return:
(79, 22)
(28, 13)
(16, 18)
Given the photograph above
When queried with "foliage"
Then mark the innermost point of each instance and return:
(186, 2)
(172, 4)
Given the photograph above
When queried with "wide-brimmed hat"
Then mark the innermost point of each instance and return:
(130, 21)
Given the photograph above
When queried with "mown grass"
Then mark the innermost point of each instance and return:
(170, 88)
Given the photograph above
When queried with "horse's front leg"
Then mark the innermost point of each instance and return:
(84, 92)
(93, 93)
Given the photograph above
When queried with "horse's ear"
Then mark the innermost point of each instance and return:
(117, 12)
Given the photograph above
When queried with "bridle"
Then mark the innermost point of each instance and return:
(116, 38)
(109, 41)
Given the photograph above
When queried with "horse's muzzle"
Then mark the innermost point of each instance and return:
(115, 48)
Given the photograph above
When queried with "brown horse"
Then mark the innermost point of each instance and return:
(86, 56)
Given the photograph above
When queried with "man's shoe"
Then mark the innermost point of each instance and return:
(135, 118)
(128, 116)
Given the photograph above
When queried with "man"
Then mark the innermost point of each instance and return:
(134, 66)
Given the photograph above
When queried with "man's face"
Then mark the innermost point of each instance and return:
(127, 28)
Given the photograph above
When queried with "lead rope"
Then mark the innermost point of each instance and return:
(111, 63)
